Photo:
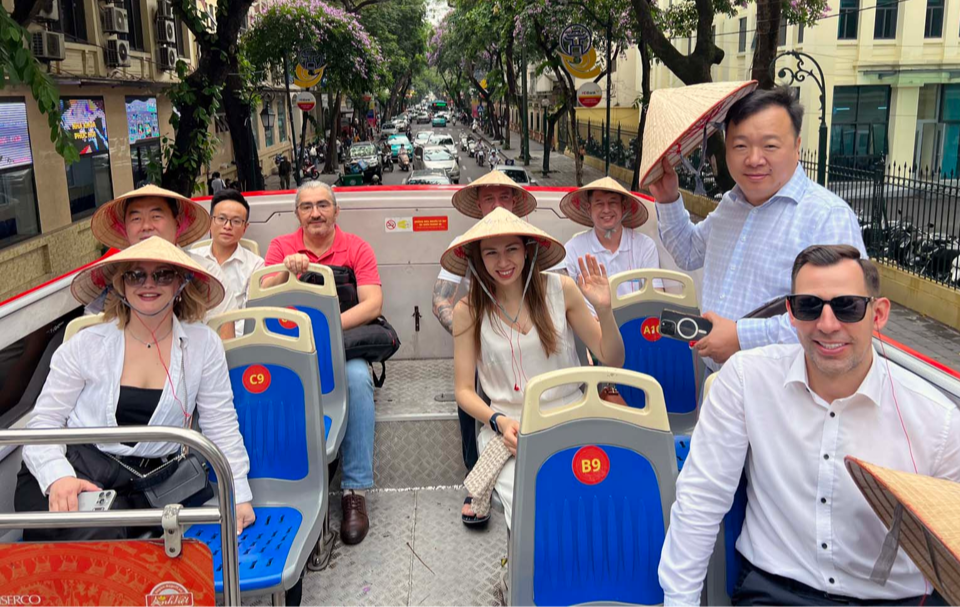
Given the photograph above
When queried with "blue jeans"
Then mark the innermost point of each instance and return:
(356, 450)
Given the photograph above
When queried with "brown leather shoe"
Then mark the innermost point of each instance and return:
(355, 523)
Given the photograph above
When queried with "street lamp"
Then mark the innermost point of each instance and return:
(799, 74)
(267, 117)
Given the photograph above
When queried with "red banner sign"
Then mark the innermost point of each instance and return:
(430, 224)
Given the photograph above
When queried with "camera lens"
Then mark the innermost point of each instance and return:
(668, 325)
(687, 328)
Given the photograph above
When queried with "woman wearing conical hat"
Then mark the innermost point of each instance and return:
(517, 322)
(151, 362)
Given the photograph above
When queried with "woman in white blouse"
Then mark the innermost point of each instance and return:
(150, 363)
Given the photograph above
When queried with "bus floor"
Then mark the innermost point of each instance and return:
(417, 553)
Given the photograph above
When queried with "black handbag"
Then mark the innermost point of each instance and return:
(189, 485)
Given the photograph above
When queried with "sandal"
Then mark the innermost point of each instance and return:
(473, 521)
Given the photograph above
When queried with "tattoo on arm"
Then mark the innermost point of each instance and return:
(443, 293)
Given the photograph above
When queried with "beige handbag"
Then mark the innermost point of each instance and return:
(483, 478)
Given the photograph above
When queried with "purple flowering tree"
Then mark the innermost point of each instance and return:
(281, 28)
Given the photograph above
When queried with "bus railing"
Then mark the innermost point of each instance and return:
(225, 513)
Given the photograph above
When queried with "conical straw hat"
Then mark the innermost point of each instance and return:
(466, 200)
(930, 527)
(675, 121)
(91, 282)
(108, 222)
(576, 206)
(501, 222)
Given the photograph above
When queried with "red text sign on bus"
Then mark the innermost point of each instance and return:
(591, 465)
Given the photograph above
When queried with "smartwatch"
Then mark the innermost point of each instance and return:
(493, 423)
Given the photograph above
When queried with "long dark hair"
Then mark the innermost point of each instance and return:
(483, 307)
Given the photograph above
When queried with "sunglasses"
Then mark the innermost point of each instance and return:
(846, 308)
(162, 277)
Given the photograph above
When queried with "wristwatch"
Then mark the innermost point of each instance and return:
(493, 423)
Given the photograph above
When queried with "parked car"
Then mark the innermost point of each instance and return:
(437, 157)
(396, 141)
(439, 121)
(364, 154)
(518, 174)
(428, 177)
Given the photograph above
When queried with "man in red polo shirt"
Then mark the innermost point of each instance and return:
(320, 240)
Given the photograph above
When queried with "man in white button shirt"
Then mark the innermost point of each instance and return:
(612, 213)
(788, 415)
(231, 216)
(153, 211)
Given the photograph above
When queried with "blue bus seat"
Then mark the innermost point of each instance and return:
(594, 485)
(321, 304)
(275, 381)
(672, 363)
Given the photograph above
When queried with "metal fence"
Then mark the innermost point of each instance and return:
(909, 215)
(624, 142)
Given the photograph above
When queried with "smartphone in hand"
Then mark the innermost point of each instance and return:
(683, 326)
(96, 501)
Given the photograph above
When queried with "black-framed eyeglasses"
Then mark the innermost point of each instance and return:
(846, 308)
(161, 277)
(222, 220)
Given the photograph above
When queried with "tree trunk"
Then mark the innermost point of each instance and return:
(238, 114)
(333, 162)
(768, 33)
(646, 67)
(548, 139)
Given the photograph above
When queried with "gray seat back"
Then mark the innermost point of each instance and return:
(593, 489)
(321, 304)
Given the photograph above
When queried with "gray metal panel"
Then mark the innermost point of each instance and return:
(680, 423)
(335, 402)
(308, 495)
(535, 449)
(9, 467)
(715, 585)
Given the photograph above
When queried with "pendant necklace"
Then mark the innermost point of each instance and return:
(148, 344)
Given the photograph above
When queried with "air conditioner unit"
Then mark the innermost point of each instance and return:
(49, 11)
(168, 58)
(166, 32)
(118, 52)
(164, 9)
(114, 20)
(48, 46)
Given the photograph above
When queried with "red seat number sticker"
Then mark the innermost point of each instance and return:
(256, 379)
(288, 324)
(650, 329)
(591, 465)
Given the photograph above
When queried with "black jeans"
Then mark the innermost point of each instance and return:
(757, 587)
(89, 463)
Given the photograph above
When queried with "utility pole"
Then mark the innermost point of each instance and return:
(525, 140)
(606, 151)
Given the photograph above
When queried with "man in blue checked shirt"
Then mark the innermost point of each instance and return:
(747, 246)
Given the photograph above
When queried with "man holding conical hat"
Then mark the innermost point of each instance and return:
(154, 211)
(747, 245)
(607, 207)
(495, 190)
(787, 415)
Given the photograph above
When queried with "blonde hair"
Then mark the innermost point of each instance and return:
(188, 307)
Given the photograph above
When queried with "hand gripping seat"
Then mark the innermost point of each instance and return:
(593, 489)
(276, 391)
(724, 568)
(321, 304)
(672, 363)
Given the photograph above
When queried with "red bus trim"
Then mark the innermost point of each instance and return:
(908, 350)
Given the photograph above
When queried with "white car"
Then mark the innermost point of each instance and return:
(422, 138)
(437, 157)
(444, 141)
(518, 174)
(387, 129)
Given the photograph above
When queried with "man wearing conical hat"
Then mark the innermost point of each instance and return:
(787, 415)
(153, 211)
(746, 247)
(495, 190)
(613, 214)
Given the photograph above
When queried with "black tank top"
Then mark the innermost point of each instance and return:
(135, 406)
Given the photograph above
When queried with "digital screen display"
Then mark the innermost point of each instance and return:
(14, 138)
(86, 122)
(142, 121)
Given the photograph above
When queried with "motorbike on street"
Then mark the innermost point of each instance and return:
(479, 155)
(403, 159)
(387, 162)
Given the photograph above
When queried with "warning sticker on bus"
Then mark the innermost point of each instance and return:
(426, 223)
(591, 465)
(256, 379)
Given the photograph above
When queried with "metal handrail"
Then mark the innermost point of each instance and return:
(225, 514)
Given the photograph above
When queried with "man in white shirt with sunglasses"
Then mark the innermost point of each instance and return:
(788, 415)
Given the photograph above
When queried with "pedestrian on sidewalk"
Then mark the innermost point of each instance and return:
(747, 246)
(284, 171)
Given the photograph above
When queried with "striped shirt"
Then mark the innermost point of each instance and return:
(747, 252)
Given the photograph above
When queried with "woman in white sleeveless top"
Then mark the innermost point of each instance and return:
(517, 322)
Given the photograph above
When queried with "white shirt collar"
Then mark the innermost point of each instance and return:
(871, 387)
(597, 246)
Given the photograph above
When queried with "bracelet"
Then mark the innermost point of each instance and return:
(493, 423)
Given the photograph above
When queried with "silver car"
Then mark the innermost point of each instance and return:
(518, 174)
(444, 141)
(436, 157)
